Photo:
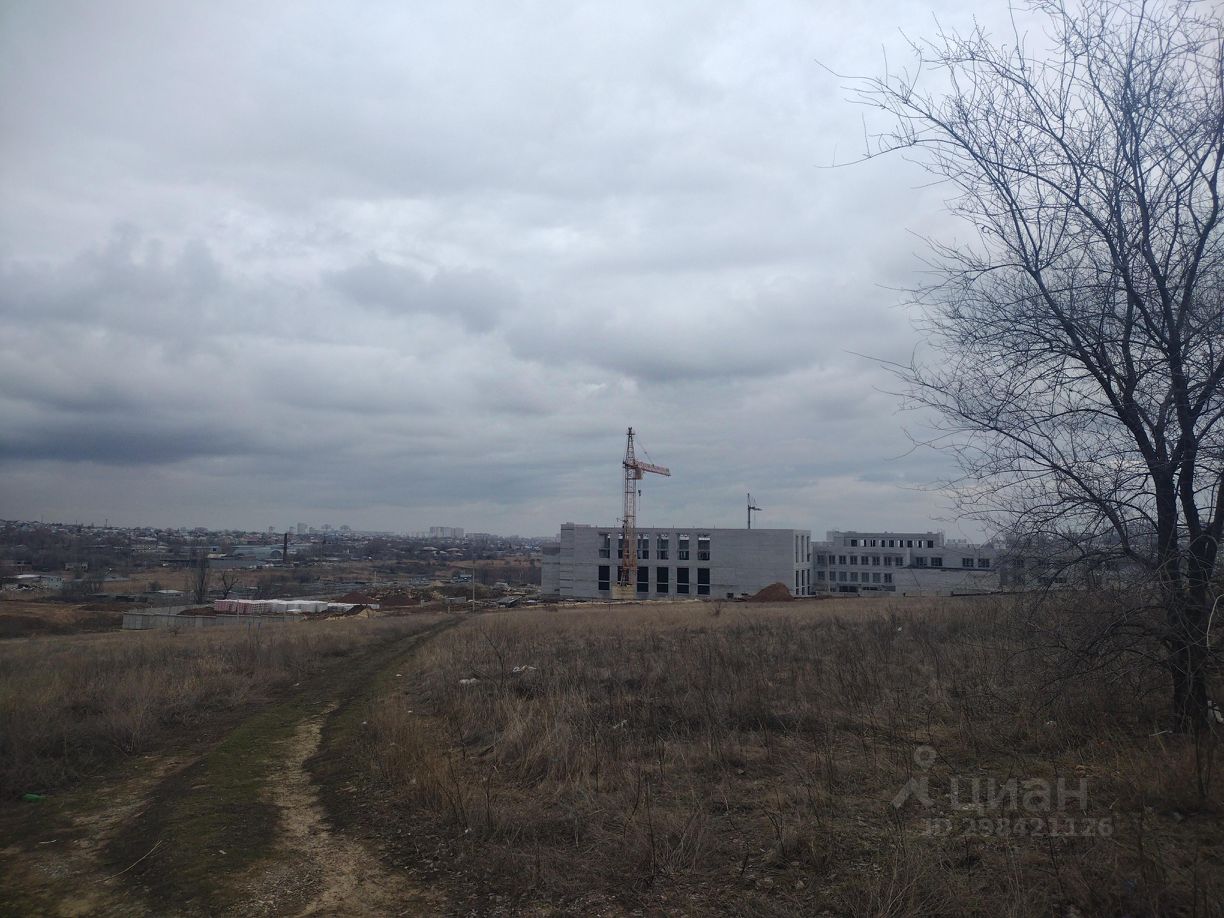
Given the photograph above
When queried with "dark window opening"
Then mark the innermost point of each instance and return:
(703, 548)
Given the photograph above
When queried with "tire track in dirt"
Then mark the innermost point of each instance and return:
(238, 824)
(318, 871)
(229, 823)
(58, 874)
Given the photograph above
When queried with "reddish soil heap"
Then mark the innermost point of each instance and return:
(775, 592)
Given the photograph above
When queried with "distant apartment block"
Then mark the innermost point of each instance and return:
(445, 532)
(678, 562)
(904, 563)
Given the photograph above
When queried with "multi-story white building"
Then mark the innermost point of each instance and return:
(678, 562)
(902, 563)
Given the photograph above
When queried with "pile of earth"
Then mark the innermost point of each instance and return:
(775, 592)
(356, 597)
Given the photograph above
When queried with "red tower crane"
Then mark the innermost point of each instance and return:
(626, 571)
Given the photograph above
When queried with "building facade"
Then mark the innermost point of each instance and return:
(904, 563)
(678, 562)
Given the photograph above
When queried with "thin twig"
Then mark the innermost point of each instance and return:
(134, 863)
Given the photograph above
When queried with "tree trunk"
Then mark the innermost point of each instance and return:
(1187, 670)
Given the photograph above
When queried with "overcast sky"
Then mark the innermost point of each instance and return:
(395, 265)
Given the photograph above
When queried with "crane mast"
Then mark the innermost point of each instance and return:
(751, 507)
(634, 468)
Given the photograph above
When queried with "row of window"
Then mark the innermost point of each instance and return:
(662, 546)
(898, 561)
(662, 580)
(853, 577)
(864, 560)
(803, 548)
(892, 543)
(801, 582)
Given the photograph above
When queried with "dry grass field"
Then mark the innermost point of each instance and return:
(741, 759)
(23, 618)
(72, 704)
(844, 757)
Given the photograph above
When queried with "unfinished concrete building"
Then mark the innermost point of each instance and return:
(903, 563)
(678, 562)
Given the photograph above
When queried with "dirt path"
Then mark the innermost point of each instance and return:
(317, 871)
(230, 823)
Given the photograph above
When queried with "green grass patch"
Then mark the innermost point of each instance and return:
(212, 821)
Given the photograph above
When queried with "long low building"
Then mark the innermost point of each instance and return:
(678, 562)
(903, 563)
(682, 562)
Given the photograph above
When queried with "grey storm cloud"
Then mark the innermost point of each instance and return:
(128, 442)
(475, 298)
(401, 265)
(122, 281)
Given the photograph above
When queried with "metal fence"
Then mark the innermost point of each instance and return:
(162, 618)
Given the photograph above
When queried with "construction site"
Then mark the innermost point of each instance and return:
(629, 562)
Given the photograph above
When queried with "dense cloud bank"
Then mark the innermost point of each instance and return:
(398, 266)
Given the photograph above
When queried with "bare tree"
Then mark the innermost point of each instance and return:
(199, 575)
(229, 579)
(1078, 333)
